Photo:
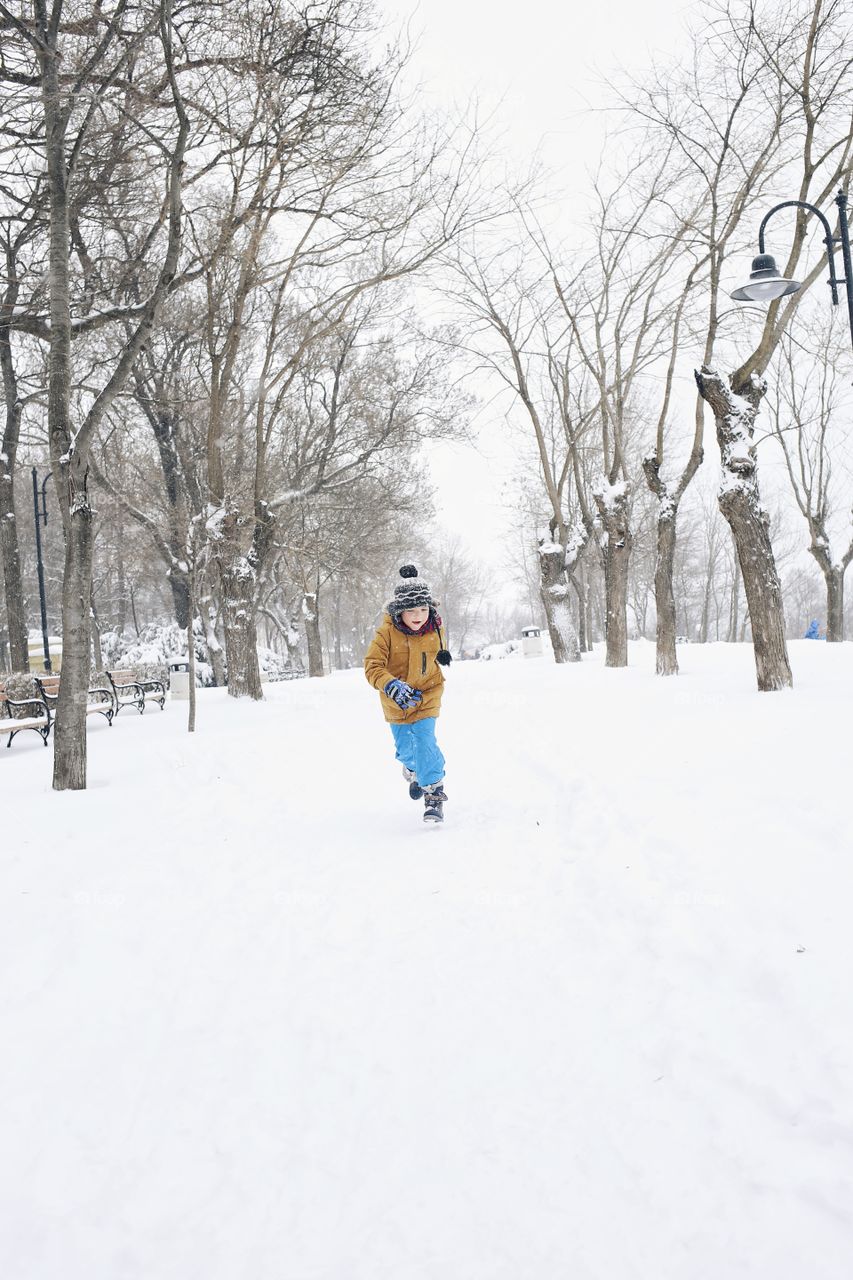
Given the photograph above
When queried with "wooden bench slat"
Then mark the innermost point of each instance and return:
(8, 725)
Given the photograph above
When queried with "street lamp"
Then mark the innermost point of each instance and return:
(765, 282)
(41, 519)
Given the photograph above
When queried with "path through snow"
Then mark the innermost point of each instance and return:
(261, 1024)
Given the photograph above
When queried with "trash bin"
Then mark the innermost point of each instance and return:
(531, 642)
(179, 679)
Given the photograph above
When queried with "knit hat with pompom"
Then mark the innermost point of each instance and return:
(414, 593)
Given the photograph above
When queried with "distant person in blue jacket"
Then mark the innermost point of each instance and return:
(813, 632)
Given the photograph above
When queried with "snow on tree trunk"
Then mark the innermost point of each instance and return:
(292, 641)
(668, 499)
(666, 659)
(69, 733)
(554, 591)
(311, 618)
(241, 640)
(739, 500)
(833, 577)
(612, 501)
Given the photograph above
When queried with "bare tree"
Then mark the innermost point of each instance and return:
(515, 340)
(728, 140)
(618, 307)
(811, 70)
(805, 418)
(343, 459)
(340, 195)
(14, 234)
(89, 76)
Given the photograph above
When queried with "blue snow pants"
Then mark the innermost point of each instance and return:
(418, 750)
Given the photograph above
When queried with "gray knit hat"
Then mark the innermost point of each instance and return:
(412, 593)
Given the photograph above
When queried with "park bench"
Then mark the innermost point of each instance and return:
(36, 716)
(121, 689)
(99, 700)
(41, 707)
(130, 692)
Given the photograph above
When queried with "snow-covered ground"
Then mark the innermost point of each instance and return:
(260, 1024)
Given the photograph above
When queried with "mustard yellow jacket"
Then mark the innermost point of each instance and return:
(393, 655)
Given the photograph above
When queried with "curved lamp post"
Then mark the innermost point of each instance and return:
(765, 283)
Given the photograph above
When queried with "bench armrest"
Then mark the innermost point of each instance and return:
(127, 684)
(26, 702)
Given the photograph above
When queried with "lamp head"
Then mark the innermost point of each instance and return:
(765, 283)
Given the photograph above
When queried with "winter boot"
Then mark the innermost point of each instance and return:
(434, 798)
(415, 788)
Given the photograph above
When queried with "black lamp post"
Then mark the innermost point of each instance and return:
(41, 519)
(765, 283)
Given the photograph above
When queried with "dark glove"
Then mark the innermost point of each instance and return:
(403, 694)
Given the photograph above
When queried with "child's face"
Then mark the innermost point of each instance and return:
(414, 619)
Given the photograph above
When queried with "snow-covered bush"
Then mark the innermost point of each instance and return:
(150, 652)
(507, 649)
(275, 666)
(18, 687)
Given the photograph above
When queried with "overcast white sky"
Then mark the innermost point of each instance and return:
(540, 66)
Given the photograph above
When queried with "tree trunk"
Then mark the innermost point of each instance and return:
(584, 643)
(705, 620)
(97, 656)
(834, 604)
(739, 500)
(666, 659)
(339, 662)
(69, 733)
(179, 585)
(612, 503)
(70, 450)
(121, 582)
(311, 618)
(207, 611)
(291, 640)
(735, 604)
(241, 641)
(554, 592)
(132, 598)
(191, 646)
(750, 525)
(16, 613)
(669, 497)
